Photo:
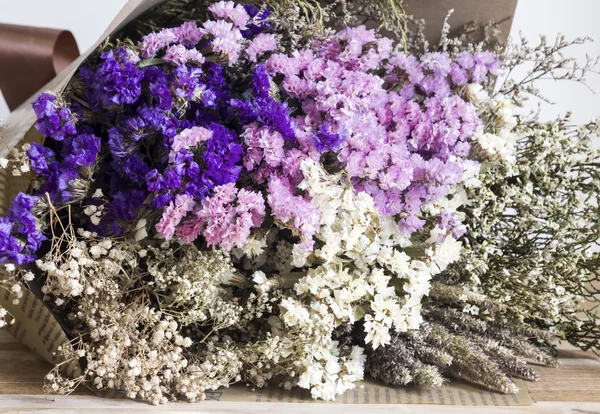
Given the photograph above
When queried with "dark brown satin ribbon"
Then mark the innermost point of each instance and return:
(30, 57)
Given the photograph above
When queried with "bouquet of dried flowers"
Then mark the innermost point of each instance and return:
(247, 193)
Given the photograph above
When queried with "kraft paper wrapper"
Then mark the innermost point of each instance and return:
(37, 328)
(371, 392)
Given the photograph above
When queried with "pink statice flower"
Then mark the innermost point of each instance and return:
(226, 39)
(262, 43)
(154, 42)
(263, 144)
(226, 218)
(173, 213)
(179, 55)
(189, 138)
(294, 212)
(188, 34)
(228, 10)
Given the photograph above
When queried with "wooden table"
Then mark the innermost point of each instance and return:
(574, 387)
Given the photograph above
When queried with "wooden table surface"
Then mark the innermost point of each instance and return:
(573, 387)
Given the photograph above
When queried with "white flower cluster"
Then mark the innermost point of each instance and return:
(357, 271)
(497, 140)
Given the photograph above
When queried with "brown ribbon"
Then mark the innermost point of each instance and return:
(30, 57)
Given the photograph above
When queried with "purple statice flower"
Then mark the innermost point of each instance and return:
(11, 248)
(266, 111)
(20, 212)
(293, 211)
(222, 157)
(228, 10)
(118, 78)
(20, 235)
(188, 81)
(200, 159)
(81, 151)
(58, 183)
(258, 20)
(326, 140)
(226, 218)
(261, 83)
(53, 119)
(39, 158)
(133, 167)
(158, 82)
(124, 207)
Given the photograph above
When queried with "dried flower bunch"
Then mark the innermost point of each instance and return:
(252, 194)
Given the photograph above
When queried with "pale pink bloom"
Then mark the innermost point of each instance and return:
(263, 144)
(293, 211)
(190, 230)
(188, 138)
(188, 33)
(262, 43)
(228, 221)
(227, 40)
(229, 10)
(173, 214)
(180, 55)
(154, 42)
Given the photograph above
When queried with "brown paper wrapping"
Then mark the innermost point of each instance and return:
(36, 327)
(32, 56)
(372, 392)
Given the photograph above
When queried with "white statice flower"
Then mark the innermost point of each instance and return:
(500, 144)
(89, 210)
(353, 229)
(98, 193)
(140, 230)
(3, 162)
(497, 139)
(477, 94)
(447, 252)
(254, 246)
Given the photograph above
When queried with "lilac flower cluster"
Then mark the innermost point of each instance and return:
(403, 138)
